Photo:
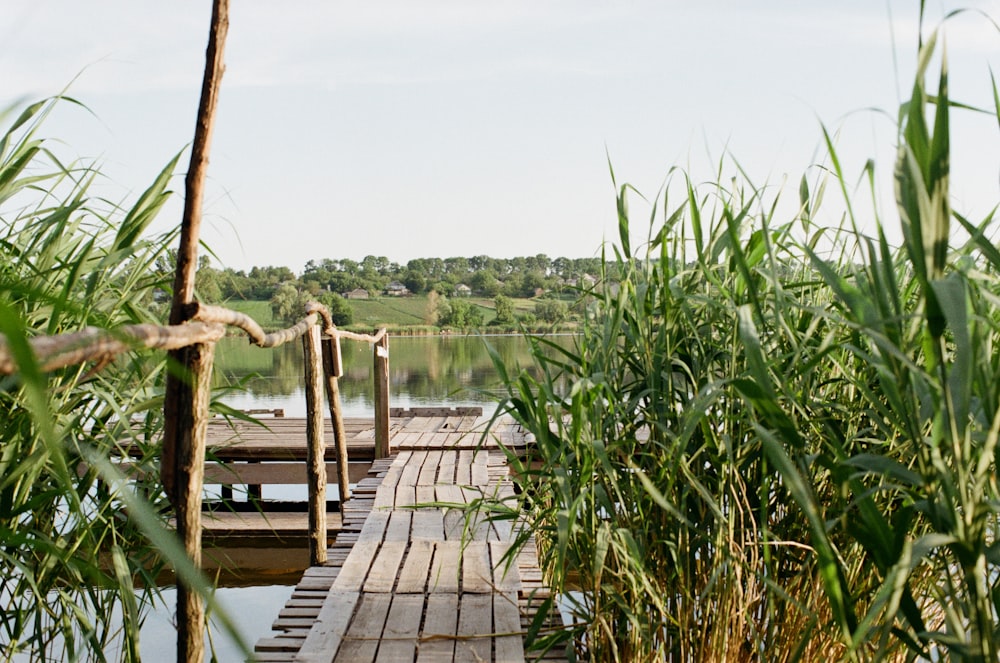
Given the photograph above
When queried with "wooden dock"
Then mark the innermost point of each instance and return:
(405, 582)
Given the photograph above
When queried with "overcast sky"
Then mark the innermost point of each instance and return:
(413, 128)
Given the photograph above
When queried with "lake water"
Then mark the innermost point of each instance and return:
(423, 372)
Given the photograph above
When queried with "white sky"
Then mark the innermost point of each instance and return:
(437, 128)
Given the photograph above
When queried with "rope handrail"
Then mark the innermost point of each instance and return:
(92, 343)
(208, 326)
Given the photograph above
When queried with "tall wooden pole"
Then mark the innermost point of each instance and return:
(185, 406)
(190, 471)
(187, 251)
(332, 367)
(381, 377)
(316, 449)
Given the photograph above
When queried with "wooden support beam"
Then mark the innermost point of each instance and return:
(191, 427)
(332, 369)
(381, 378)
(316, 450)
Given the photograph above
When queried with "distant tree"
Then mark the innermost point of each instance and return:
(505, 309)
(416, 282)
(286, 304)
(460, 313)
(206, 281)
(340, 309)
(485, 283)
(550, 310)
(433, 310)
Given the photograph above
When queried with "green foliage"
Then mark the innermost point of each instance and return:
(504, 309)
(757, 452)
(70, 554)
(551, 310)
(460, 314)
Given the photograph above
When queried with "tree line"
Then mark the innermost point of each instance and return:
(485, 276)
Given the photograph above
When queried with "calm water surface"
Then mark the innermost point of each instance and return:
(423, 372)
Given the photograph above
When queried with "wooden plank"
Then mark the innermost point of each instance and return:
(505, 579)
(477, 575)
(406, 496)
(424, 494)
(399, 526)
(446, 468)
(480, 475)
(374, 527)
(416, 568)
(445, 567)
(428, 471)
(437, 644)
(428, 525)
(508, 643)
(356, 566)
(385, 567)
(463, 468)
(284, 473)
(361, 640)
(475, 618)
(252, 523)
(461, 411)
(410, 472)
(326, 635)
(399, 640)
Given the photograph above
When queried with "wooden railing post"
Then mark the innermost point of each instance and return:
(333, 369)
(191, 426)
(381, 377)
(316, 450)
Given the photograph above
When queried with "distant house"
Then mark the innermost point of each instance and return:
(396, 289)
(462, 290)
(357, 293)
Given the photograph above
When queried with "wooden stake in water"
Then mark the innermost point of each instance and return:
(192, 429)
(332, 367)
(316, 450)
(381, 377)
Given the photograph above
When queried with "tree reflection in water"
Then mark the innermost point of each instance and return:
(423, 371)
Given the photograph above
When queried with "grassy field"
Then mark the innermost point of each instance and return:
(381, 311)
(259, 311)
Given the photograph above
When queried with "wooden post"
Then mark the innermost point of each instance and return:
(191, 430)
(381, 377)
(187, 251)
(332, 368)
(316, 450)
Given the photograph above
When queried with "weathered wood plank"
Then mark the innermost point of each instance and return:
(437, 644)
(509, 644)
(475, 619)
(428, 525)
(416, 568)
(445, 569)
(477, 575)
(285, 473)
(506, 578)
(356, 567)
(399, 640)
(398, 528)
(326, 635)
(385, 567)
(361, 640)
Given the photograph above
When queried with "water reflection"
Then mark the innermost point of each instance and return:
(423, 371)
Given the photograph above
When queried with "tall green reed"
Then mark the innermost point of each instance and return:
(755, 452)
(77, 540)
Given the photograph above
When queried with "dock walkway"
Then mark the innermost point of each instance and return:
(406, 582)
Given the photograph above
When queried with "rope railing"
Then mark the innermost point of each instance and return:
(207, 325)
(93, 344)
